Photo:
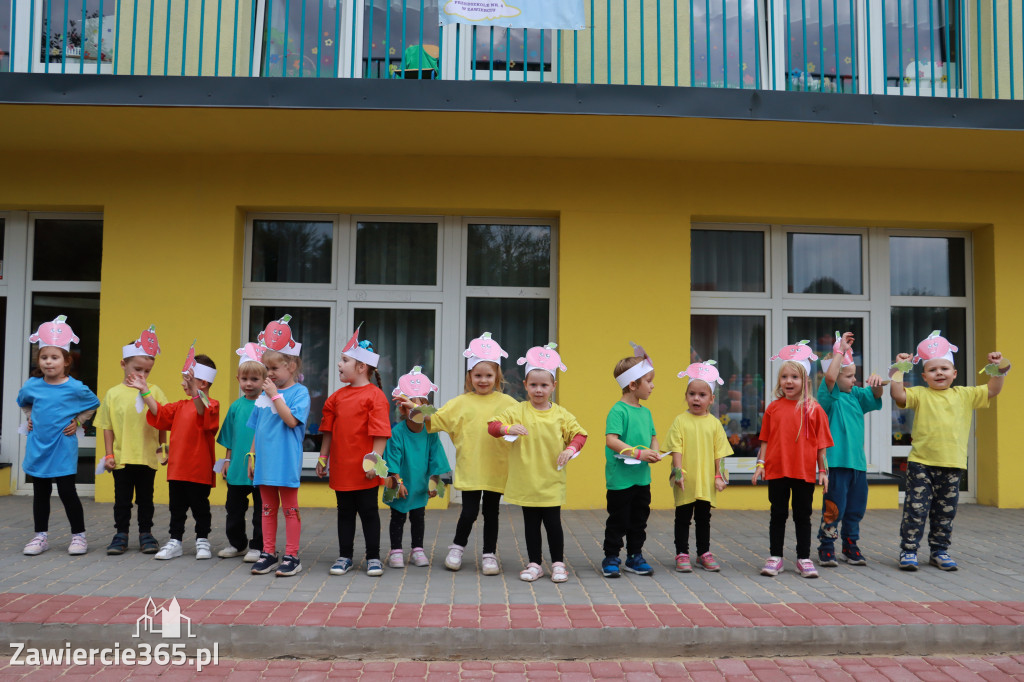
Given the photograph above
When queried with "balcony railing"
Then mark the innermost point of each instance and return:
(944, 48)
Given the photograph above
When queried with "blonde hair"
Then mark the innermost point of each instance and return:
(499, 378)
(250, 367)
(278, 357)
(805, 404)
(623, 365)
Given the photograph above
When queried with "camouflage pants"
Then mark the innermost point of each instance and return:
(932, 495)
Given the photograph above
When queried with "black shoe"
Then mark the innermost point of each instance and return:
(852, 555)
(827, 557)
(289, 565)
(118, 545)
(148, 544)
(265, 564)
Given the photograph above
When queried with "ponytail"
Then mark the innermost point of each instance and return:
(376, 377)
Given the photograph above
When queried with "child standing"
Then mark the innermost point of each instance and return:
(236, 436)
(481, 462)
(631, 444)
(132, 445)
(56, 405)
(794, 436)
(418, 459)
(846, 497)
(193, 424)
(699, 446)
(546, 437)
(275, 460)
(938, 451)
(356, 428)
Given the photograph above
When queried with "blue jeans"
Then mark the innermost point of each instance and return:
(845, 501)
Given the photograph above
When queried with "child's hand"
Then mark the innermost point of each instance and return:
(69, 430)
(166, 456)
(321, 467)
(823, 481)
(564, 456)
(517, 430)
(224, 471)
(109, 464)
(30, 423)
(995, 358)
(269, 387)
(679, 482)
(403, 492)
(846, 342)
(371, 474)
(649, 456)
(251, 467)
(903, 357)
(437, 484)
(758, 475)
(720, 483)
(874, 381)
(137, 382)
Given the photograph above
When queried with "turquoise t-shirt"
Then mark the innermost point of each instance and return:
(415, 457)
(633, 426)
(279, 448)
(846, 422)
(236, 436)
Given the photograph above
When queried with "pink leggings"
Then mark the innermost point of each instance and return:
(274, 496)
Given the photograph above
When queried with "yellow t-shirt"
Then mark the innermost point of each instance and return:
(533, 476)
(481, 461)
(135, 441)
(942, 423)
(702, 442)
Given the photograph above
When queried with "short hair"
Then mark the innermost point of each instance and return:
(624, 364)
(250, 367)
(277, 357)
(499, 378)
(205, 360)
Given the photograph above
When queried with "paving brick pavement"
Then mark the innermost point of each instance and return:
(876, 608)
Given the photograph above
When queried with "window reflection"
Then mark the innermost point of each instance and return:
(72, 33)
(396, 253)
(502, 49)
(819, 56)
(517, 323)
(300, 39)
(736, 342)
(824, 263)
(821, 332)
(404, 35)
(292, 251)
(67, 250)
(920, 44)
(927, 266)
(509, 256)
(726, 260)
(723, 45)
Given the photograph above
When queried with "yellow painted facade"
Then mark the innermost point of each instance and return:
(174, 224)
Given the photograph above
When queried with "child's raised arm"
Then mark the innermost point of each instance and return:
(832, 373)
(995, 384)
(137, 382)
(896, 388)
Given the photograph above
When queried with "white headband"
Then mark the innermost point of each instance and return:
(204, 373)
(634, 373)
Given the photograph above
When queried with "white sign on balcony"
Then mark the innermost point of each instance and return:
(547, 14)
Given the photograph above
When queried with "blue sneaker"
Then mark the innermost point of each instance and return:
(610, 567)
(941, 558)
(374, 567)
(636, 563)
(908, 561)
(342, 566)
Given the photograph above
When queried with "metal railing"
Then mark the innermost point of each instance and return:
(947, 48)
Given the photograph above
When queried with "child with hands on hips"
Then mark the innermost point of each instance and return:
(57, 405)
(481, 462)
(546, 436)
(699, 445)
(631, 445)
(236, 437)
(278, 421)
(846, 497)
(193, 425)
(356, 427)
(794, 437)
(418, 459)
(132, 445)
(938, 451)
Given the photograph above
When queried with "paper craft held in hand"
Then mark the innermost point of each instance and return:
(389, 495)
(511, 439)
(23, 429)
(420, 414)
(190, 359)
(220, 465)
(571, 458)
(434, 486)
(101, 468)
(373, 462)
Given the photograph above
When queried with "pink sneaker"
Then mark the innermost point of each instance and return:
(419, 557)
(683, 563)
(36, 545)
(708, 562)
(773, 566)
(78, 545)
(396, 559)
(806, 568)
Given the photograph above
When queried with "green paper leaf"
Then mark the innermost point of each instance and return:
(390, 495)
(381, 468)
(991, 369)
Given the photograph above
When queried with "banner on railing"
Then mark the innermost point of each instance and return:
(548, 14)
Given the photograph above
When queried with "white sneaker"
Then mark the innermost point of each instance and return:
(453, 561)
(419, 557)
(396, 559)
(252, 556)
(169, 551)
(78, 545)
(37, 545)
(230, 552)
(203, 549)
(489, 564)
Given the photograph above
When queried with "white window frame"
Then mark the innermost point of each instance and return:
(27, 60)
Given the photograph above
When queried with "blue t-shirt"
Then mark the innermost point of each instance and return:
(236, 436)
(415, 457)
(846, 422)
(48, 452)
(279, 448)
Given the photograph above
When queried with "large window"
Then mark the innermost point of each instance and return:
(421, 286)
(756, 288)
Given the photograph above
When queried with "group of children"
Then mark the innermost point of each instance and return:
(503, 447)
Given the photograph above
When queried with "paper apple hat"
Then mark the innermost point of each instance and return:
(250, 352)
(543, 357)
(934, 347)
(847, 356)
(640, 369)
(415, 384)
(360, 350)
(57, 333)
(483, 349)
(201, 372)
(797, 352)
(278, 336)
(146, 344)
(705, 371)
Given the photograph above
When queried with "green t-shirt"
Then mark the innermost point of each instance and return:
(237, 437)
(633, 426)
(846, 422)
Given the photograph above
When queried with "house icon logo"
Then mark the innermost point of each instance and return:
(165, 621)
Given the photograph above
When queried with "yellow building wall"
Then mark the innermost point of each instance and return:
(173, 249)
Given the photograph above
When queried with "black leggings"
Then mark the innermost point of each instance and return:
(700, 512)
(41, 488)
(551, 517)
(470, 510)
(779, 491)
(363, 503)
(417, 520)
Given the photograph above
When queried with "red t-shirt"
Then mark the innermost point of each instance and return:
(192, 437)
(787, 455)
(354, 416)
